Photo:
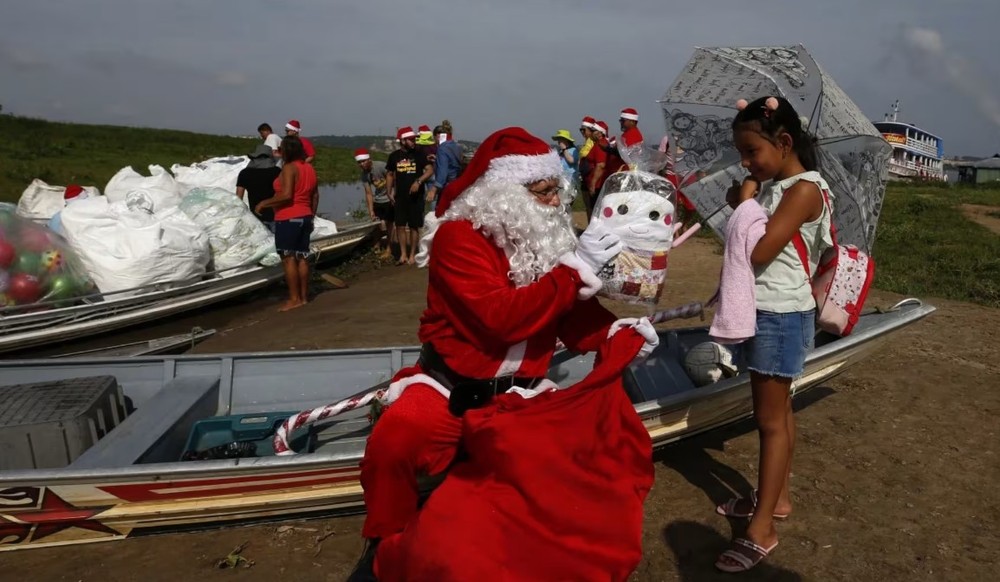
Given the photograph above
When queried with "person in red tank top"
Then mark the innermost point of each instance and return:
(295, 199)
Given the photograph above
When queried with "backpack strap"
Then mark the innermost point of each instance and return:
(800, 244)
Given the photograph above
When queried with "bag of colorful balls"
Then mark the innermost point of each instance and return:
(37, 265)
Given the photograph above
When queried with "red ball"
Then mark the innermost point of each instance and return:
(24, 288)
(35, 239)
(7, 254)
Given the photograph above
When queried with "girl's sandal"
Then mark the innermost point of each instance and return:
(729, 508)
(742, 556)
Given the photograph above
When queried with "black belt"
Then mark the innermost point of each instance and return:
(467, 393)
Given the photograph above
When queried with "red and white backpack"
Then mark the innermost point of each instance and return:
(840, 287)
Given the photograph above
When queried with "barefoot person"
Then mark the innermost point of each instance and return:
(295, 199)
(373, 177)
(407, 172)
(507, 278)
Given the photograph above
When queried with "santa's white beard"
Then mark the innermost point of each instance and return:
(532, 235)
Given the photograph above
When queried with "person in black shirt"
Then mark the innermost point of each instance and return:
(407, 170)
(257, 180)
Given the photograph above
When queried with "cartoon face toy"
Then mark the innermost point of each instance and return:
(642, 220)
(52, 260)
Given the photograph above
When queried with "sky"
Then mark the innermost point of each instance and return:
(225, 66)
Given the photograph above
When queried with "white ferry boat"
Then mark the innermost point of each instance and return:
(916, 154)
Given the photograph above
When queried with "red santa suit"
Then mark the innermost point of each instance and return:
(481, 325)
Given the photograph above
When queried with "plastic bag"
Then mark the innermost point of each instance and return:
(36, 264)
(639, 207)
(159, 189)
(123, 248)
(236, 236)
(322, 228)
(40, 201)
(220, 172)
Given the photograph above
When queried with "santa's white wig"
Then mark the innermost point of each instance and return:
(532, 235)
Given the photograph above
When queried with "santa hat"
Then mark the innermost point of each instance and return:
(294, 125)
(588, 122)
(361, 154)
(630, 114)
(73, 192)
(508, 156)
(405, 132)
(424, 129)
(601, 127)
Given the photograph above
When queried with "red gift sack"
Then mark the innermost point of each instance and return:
(553, 489)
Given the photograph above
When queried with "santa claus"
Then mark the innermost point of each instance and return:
(507, 279)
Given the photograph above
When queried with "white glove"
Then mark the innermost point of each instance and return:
(597, 246)
(643, 327)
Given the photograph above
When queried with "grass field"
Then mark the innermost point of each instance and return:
(59, 153)
(925, 245)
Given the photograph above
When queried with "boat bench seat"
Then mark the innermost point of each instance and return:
(156, 432)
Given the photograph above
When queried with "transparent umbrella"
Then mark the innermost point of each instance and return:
(699, 108)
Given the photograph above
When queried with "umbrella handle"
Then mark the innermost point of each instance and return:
(686, 235)
(696, 227)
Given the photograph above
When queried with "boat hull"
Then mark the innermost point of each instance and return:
(68, 506)
(18, 332)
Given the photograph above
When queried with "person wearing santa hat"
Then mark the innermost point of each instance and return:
(72, 193)
(585, 167)
(373, 177)
(629, 122)
(597, 160)
(293, 127)
(507, 278)
(407, 172)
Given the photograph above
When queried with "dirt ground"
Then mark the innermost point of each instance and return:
(988, 216)
(895, 475)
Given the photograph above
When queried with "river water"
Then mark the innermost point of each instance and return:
(338, 201)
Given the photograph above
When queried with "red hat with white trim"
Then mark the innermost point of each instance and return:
(630, 114)
(405, 132)
(294, 125)
(361, 154)
(73, 192)
(588, 122)
(424, 129)
(601, 127)
(508, 156)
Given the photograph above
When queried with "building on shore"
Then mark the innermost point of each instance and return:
(917, 154)
(978, 172)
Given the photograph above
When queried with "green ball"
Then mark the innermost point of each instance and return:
(28, 263)
(7, 218)
(63, 287)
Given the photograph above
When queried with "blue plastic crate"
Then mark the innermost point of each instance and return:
(256, 428)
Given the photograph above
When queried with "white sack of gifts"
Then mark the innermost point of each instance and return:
(158, 189)
(236, 236)
(40, 201)
(123, 248)
(220, 172)
(639, 207)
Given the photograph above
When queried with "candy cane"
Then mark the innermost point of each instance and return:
(301, 419)
(291, 424)
(686, 311)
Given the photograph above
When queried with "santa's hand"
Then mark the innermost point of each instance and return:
(598, 246)
(643, 327)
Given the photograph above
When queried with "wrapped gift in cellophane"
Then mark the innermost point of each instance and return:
(639, 207)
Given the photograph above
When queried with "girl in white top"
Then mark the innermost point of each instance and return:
(774, 146)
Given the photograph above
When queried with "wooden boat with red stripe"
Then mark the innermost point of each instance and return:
(132, 481)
